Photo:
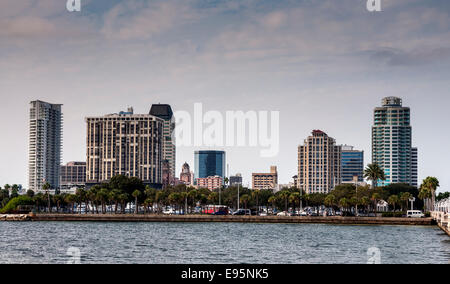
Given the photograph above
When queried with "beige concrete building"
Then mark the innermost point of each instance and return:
(210, 183)
(319, 164)
(265, 180)
(124, 144)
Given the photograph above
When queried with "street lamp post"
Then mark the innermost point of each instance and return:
(355, 180)
(238, 198)
(412, 199)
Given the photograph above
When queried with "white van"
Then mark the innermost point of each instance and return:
(414, 214)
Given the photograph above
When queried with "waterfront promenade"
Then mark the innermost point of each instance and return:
(231, 219)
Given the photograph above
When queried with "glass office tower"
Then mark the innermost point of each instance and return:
(352, 164)
(209, 164)
(392, 143)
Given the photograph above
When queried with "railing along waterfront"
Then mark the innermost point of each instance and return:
(441, 214)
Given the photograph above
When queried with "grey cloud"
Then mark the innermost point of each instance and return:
(398, 57)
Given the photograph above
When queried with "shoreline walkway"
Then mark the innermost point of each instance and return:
(232, 219)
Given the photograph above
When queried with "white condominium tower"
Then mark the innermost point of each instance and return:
(319, 164)
(124, 144)
(392, 143)
(44, 145)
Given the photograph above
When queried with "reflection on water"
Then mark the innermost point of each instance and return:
(229, 243)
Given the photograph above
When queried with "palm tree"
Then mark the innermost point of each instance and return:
(92, 197)
(103, 197)
(113, 197)
(354, 202)
(272, 200)
(393, 200)
(57, 200)
(226, 180)
(365, 201)
(285, 196)
(30, 193)
(174, 198)
(404, 197)
(213, 197)
(38, 200)
(374, 173)
(245, 199)
(330, 200)
(255, 196)
(71, 199)
(193, 196)
(294, 198)
(81, 195)
(136, 194)
(430, 185)
(123, 199)
(343, 202)
(375, 198)
(147, 203)
(46, 188)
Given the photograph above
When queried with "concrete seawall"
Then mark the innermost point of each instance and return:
(233, 219)
(15, 217)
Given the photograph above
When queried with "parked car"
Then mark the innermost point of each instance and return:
(241, 212)
(302, 213)
(220, 213)
(284, 213)
(169, 211)
(414, 214)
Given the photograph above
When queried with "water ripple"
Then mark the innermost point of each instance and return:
(47, 242)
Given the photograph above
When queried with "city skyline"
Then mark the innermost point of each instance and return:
(129, 114)
(229, 56)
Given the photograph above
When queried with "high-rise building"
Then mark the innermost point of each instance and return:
(319, 164)
(209, 163)
(124, 144)
(392, 143)
(265, 180)
(352, 164)
(164, 112)
(45, 143)
(73, 174)
(414, 167)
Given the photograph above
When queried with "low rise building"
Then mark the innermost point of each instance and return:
(265, 180)
(73, 174)
(211, 183)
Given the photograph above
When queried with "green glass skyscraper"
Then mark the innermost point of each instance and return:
(392, 143)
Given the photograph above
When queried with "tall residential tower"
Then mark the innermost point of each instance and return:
(319, 164)
(392, 142)
(45, 141)
(124, 144)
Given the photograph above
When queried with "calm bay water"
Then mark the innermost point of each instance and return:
(228, 243)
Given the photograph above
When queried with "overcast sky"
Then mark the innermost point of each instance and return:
(323, 64)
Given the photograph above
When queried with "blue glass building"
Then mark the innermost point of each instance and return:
(209, 163)
(352, 164)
